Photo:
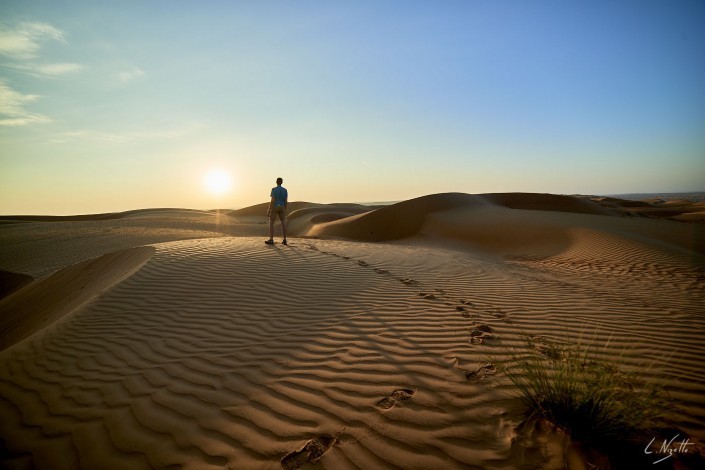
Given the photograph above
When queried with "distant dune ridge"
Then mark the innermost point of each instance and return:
(483, 221)
(174, 337)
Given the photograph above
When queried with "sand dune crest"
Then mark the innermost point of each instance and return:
(43, 302)
(400, 220)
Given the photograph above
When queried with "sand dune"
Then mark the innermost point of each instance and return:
(406, 219)
(37, 248)
(10, 282)
(506, 224)
(394, 222)
(39, 305)
(260, 210)
(106, 216)
(216, 351)
(548, 202)
(675, 209)
(300, 221)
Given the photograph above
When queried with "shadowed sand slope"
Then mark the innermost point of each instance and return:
(40, 304)
(301, 216)
(547, 202)
(517, 224)
(226, 352)
(300, 221)
(10, 282)
(405, 219)
(394, 222)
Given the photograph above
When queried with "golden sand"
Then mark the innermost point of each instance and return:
(162, 338)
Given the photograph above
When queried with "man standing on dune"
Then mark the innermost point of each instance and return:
(277, 207)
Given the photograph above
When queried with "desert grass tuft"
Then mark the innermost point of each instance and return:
(594, 401)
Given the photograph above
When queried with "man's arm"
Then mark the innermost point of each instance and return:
(271, 204)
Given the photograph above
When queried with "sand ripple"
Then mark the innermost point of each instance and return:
(227, 352)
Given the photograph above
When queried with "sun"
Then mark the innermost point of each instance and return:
(217, 182)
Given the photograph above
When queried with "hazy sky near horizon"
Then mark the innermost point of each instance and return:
(109, 106)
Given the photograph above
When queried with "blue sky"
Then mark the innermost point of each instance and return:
(108, 106)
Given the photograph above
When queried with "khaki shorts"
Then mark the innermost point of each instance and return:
(280, 211)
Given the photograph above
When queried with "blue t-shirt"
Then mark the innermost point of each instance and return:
(280, 196)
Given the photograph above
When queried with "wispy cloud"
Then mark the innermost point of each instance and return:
(92, 135)
(55, 69)
(129, 75)
(101, 136)
(24, 40)
(12, 108)
(21, 45)
(46, 70)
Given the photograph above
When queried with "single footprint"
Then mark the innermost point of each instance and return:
(551, 351)
(455, 360)
(312, 451)
(482, 372)
(408, 282)
(480, 329)
(502, 316)
(362, 263)
(381, 271)
(400, 394)
(546, 347)
(427, 296)
(480, 333)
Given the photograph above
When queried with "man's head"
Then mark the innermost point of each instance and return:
(279, 181)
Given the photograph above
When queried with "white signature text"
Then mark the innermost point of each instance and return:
(668, 448)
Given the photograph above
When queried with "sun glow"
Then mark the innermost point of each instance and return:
(217, 182)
